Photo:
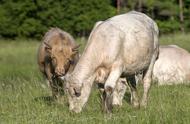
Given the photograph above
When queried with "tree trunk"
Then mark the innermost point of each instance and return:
(118, 6)
(181, 15)
(140, 5)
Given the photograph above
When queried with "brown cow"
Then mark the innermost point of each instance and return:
(57, 55)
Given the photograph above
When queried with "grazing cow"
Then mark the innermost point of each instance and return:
(125, 45)
(57, 55)
(172, 66)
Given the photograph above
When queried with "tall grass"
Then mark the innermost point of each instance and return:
(25, 96)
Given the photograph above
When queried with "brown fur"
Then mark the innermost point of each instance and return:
(101, 75)
(57, 55)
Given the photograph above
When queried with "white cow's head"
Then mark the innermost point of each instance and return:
(73, 91)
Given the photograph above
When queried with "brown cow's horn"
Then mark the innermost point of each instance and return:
(47, 45)
(76, 48)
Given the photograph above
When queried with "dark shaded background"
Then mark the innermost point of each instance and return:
(32, 18)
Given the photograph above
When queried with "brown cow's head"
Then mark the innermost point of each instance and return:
(62, 56)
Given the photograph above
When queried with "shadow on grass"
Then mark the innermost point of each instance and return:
(127, 97)
(49, 100)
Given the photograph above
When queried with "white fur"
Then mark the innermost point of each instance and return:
(172, 66)
(124, 44)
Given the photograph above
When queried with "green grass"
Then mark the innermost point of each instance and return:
(25, 97)
(182, 40)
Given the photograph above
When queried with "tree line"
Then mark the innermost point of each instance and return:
(32, 18)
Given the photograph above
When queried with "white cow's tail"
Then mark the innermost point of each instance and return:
(156, 41)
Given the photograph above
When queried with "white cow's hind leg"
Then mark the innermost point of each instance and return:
(146, 85)
(147, 79)
(134, 95)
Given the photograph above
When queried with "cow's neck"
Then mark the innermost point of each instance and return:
(86, 66)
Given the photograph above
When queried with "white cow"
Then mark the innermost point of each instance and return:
(124, 45)
(172, 66)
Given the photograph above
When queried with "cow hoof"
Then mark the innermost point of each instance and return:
(60, 100)
(108, 103)
(136, 105)
(76, 110)
(143, 104)
(116, 103)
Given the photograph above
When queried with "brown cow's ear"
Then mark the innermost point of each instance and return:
(47, 49)
(47, 45)
(75, 50)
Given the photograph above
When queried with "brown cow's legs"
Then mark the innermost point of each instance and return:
(57, 90)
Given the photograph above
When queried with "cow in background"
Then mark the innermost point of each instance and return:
(57, 56)
(172, 66)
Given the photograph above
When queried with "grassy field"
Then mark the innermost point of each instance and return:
(25, 97)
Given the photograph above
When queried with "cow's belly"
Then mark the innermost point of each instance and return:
(135, 67)
(137, 60)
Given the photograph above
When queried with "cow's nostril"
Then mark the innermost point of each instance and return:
(77, 92)
(60, 71)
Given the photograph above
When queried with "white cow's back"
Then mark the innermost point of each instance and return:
(172, 66)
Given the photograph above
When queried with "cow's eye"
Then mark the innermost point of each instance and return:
(71, 61)
(68, 59)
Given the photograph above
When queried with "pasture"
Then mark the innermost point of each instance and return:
(25, 96)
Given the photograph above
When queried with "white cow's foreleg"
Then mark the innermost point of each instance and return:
(109, 88)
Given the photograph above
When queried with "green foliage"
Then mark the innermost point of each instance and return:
(165, 12)
(168, 26)
(179, 39)
(32, 18)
